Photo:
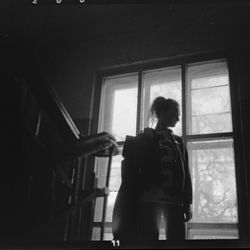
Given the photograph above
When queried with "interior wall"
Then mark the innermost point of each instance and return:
(71, 43)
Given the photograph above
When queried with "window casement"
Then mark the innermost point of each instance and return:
(202, 88)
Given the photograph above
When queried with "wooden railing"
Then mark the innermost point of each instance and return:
(58, 203)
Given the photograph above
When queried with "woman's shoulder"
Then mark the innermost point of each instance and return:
(178, 138)
(151, 133)
(147, 132)
(134, 144)
(180, 141)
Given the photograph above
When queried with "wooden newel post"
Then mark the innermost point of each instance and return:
(106, 196)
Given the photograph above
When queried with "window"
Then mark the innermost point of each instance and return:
(203, 90)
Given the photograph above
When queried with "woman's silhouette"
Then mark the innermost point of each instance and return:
(156, 187)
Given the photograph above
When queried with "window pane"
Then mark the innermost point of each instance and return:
(212, 231)
(101, 167)
(118, 106)
(161, 82)
(209, 104)
(213, 176)
(114, 184)
(115, 174)
(110, 206)
(98, 209)
(96, 233)
(108, 233)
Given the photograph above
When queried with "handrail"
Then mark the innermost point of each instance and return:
(75, 145)
(50, 102)
(97, 145)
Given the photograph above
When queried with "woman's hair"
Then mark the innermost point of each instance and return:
(161, 104)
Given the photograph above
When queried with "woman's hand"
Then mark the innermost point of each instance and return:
(188, 212)
(110, 145)
(102, 144)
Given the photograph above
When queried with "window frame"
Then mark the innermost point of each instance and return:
(183, 61)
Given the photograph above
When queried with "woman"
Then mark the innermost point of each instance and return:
(156, 185)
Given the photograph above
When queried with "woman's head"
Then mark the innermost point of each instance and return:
(166, 111)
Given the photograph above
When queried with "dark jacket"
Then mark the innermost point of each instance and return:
(140, 154)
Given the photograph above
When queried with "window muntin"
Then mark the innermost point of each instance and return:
(205, 82)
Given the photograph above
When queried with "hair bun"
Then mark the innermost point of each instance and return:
(160, 103)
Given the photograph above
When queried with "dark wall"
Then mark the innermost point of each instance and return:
(71, 42)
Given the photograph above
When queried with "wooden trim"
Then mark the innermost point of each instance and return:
(64, 113)
(163, 62)
(235, 75)
(184, 106)
(96, 104)
(139, 99)
(105, 200)
(93, 129)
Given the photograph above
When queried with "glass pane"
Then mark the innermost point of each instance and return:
(161, 82)
(101, 166)
(98, 209)
(162, 235)
(118, 106)
(108, 233)
(96, 233)
(115, 174)
(114, 184)
(213, 176)
(213, 233)
(209, 104)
